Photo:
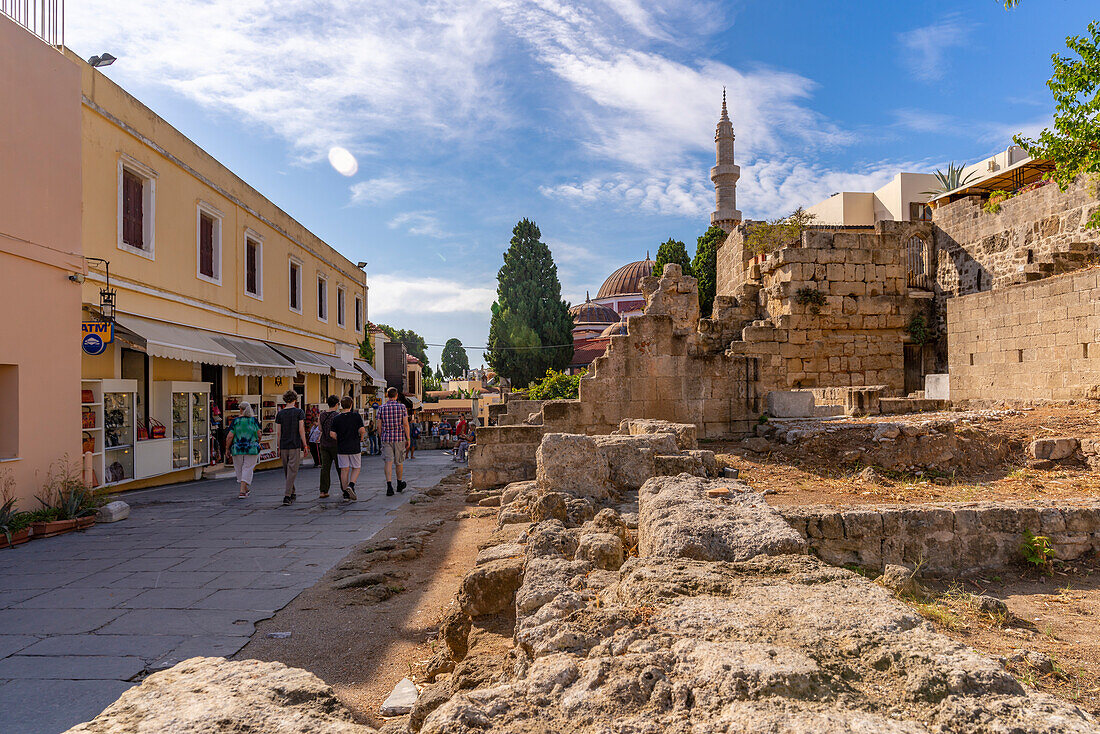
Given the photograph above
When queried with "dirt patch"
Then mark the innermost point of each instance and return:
(816, 472)
(1048, 638)
(364, 638)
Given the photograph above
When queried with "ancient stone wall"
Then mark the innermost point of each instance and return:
(944, 539)
(857, 335)
(1034, 341)
(978, 250)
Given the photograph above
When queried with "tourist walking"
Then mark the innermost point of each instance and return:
(393, 421)
(414, 433)
(315, 441)
(348, 431)
(327, 444)
(374, 443)
(290, 436)
(243, 444)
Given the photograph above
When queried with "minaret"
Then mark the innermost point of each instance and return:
(724, 174)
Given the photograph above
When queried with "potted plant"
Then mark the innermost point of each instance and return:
(14, 526)
(66, 505)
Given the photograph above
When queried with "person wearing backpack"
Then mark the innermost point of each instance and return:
(326, 444)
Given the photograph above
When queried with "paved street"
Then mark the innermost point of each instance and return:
(188, 573)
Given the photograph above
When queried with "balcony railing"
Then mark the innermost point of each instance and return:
(43, 18)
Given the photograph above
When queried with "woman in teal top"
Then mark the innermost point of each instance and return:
(243, 442)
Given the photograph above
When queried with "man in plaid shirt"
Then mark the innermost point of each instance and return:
(393, 421)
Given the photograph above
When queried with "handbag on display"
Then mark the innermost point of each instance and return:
(87, 418)
(142, 431)
(115, 472)
(157, 429)
(87, 443)
(87, 396)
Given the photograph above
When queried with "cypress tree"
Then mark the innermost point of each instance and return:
(672, 251)
(529, 313)
(454, 361)
(705, 267)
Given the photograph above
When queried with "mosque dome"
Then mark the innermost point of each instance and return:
(614, 329)
(593, 313)
(627, 280)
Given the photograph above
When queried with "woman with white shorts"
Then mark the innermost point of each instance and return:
(243, 443)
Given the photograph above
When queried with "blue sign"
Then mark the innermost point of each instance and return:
(93, 344)
(96, 336)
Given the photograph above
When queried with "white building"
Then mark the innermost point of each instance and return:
(903, 199)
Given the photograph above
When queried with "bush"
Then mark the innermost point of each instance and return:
(556, 386)
(810, 297)
(1036, 549)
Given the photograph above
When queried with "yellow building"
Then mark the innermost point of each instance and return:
(220, 296)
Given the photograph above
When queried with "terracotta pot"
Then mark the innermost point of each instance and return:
(18, 537)
(53, 527)
(85, 522)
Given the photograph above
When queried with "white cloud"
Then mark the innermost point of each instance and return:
(678, 193)
(381, 188)
(318, 74)
(1001, 133)
(423, 224)
(924, 121)
(925, 49)
(399, 294)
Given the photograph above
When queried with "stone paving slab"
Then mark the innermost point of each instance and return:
(11, 644)
(52, 706)
(85, 667)
(189, 573)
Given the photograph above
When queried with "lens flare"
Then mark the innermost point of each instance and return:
(343, 161)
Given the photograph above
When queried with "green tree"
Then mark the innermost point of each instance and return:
(672, 251)
(431, 382)
(414, 343)
(705, 266)
(556, 386)
(765, 237)
(530, 330)
(454, 362)
(366, 347)
(1074, 144)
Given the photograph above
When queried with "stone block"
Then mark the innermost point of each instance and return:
(791, 403)
(1053, 449)
(113, 512)
(572, 463)
(937, 387)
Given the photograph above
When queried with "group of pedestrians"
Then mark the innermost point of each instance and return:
(338, 435)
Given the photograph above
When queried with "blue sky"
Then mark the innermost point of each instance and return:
(595, 119)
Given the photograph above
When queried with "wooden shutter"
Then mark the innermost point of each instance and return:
(250, 253)
(133, 224)
(206, 245)
(295, 303)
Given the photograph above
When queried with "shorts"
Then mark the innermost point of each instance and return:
(349, 461)
(393, 451)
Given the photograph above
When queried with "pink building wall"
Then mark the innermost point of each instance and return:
(40, 247)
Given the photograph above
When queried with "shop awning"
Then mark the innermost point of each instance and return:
(172, 341)
(370, 373)
(303, 359)
(342, 369)
(256, 359)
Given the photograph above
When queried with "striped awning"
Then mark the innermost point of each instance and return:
(173, 341)
(303, 359)
(256, 359)
(372, 375)
(341, 369)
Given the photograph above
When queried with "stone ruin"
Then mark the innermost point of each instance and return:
(682, 602)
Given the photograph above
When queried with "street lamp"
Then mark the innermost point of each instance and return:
(104, 59)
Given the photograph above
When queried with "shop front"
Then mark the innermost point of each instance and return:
(158, 401)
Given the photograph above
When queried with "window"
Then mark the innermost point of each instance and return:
(358, 315)
(919, 212)
(209, 243)
(253, 266)
(322, 298)
(9, 398)
(295, 286)
(341, 296)
(136, 188)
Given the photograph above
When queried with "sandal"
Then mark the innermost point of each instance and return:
(242, 495)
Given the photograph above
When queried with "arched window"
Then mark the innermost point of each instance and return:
(920, 263)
